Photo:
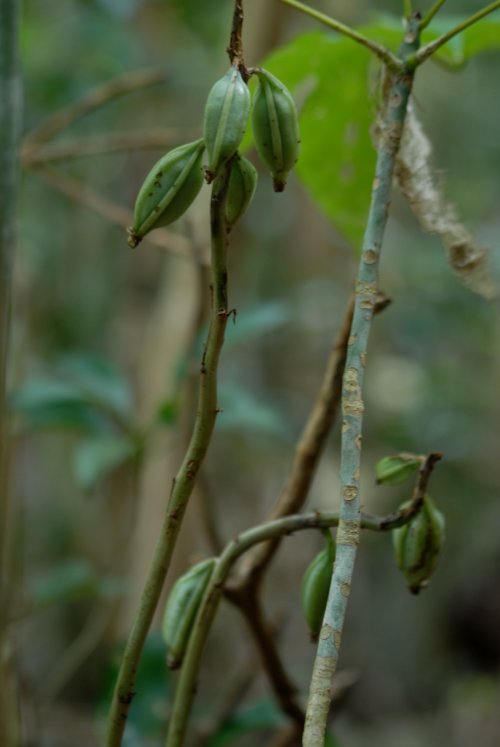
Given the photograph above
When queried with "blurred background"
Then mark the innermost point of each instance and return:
(105, 350)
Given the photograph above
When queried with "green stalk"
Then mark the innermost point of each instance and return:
(271, 530)
(348, 533)
(10, 128)
(429, 49)
(184, 481)
(392, 62)
(431, 13)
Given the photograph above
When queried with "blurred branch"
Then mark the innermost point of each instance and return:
(76, 654)
(431, 13)
(116, 214)
(93, 100)
(10, 127)
(103, 144)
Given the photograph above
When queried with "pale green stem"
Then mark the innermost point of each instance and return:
(348, 533)
(430, 14)
(407, 8)
(10, 127)
(392, 62)
(184, 482)
(263, 533)
(425, 52)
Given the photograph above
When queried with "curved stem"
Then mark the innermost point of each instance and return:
(348, 533)
(183, 483)
(429, 49)
(392, 62)
(262, 533)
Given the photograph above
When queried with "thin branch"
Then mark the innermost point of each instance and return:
(392, 62)
(407, 8)
(95, 99)
(103, 144)
(430, 14)
(348, 534)
(425, 52)
(235, 49)
(110, 211)
(10, 128)
(184, 482)
(208, 608)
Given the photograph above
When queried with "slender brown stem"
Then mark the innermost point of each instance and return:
(110, 211)
(95, 99)
(82, 147)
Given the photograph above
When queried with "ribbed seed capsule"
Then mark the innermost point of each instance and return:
(225, 121)
(275, 127)
(182, 606)
(316, 585)
(418, 543)
(241, 188)
(168, 190)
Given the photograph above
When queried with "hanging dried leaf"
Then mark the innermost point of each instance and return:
(418, 183)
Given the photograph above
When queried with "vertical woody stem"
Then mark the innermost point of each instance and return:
(184, 481)
(352, 398)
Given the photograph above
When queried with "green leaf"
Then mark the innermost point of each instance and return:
(49, 403)
(262, 715)
(337, 158)
(243, 411)
(98, 381)
(97, 457)
(393, 470)
(72, 581)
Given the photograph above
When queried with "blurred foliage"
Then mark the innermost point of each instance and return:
(84, 308)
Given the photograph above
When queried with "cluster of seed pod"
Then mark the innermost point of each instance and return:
(176, 179)
(418, 543)
(316, 585)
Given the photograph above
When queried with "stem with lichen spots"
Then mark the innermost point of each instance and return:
(184, 482)
(271, 530)
(348, 532)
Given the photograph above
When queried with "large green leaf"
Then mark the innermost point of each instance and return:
(337, 158)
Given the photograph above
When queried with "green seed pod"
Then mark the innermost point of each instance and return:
(241, 188)
(168, 190)
(418, 543)
(275, 127)
(316, 585)
(181, 608)
(225, 121)
(392, 470)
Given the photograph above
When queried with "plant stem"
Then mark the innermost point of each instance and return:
(425, 52)
(270, 530)
(352, 399)
(407, 8)
(183, 483)
(431, 13)
(392, 62)
(10, 127)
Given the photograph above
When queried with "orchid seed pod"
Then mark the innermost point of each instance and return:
(418, 543)
(275, 127)
(241, 188)
(181, 608)
(316, 585)
(168, 190)
(225, 121)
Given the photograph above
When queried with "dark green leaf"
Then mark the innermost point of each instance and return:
(97, 457)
